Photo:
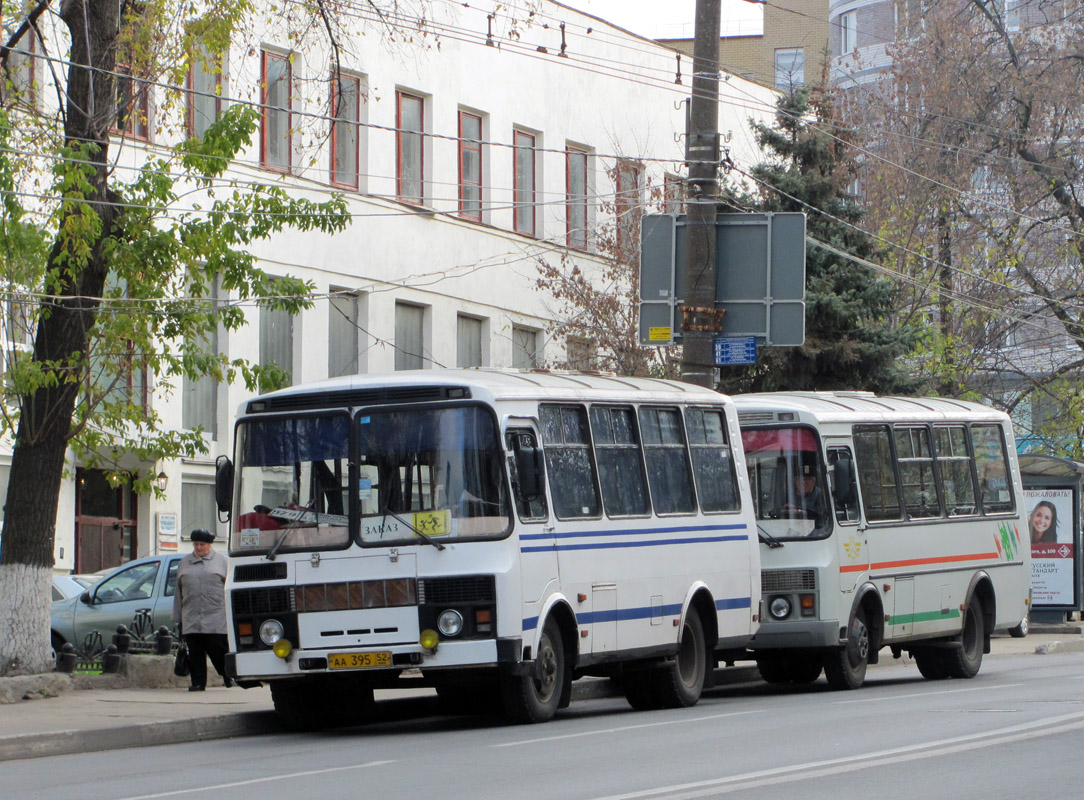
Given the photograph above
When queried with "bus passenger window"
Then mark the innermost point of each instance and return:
(954, 461)
(920, 495)
(667, 461)
(877, 473)
(620, 462)
(713, 462)
(571, 469)
(995, 491)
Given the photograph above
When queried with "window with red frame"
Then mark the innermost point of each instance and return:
(524, 183)
(205, 74)
(576, 197)
(345, 100)
(409, 147)
(470, 166)
(627, 208)
(275, 100)
(133, 104)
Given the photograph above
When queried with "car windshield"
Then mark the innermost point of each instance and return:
(291, 488)
(787, 478)
(431, 471)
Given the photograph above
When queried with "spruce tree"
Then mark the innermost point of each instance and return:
(851, 339)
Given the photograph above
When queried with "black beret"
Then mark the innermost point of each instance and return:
(201, 535)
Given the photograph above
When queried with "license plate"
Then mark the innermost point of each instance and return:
(380, 658)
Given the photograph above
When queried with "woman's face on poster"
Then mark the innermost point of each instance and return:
(1041, 518)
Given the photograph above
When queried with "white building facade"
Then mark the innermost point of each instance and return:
(468, 146)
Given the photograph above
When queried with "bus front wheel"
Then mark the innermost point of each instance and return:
(845, 667)
(536, 697)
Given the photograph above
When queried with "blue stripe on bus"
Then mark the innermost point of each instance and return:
(633, 531)
(611, 545)
(644, 612)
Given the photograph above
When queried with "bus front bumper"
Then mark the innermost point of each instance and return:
(788, 634)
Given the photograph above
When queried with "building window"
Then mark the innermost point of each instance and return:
(409, 336)
(470, 166)
(524, 178)
(276, 99)
(343, 325)
(133, 104)
(345, 107)
(627, 206)
(19, 81)
(673, 196)
(199, 396)
(277, 340)
(1011, 14)
(848, 32)
(580, 353)
(205, 76)
(197, 508)
(468, 343)
(576, 197)
(524, 348)
(409, 149)
(789, 69)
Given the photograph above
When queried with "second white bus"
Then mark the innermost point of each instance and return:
(489, 533)
(884, 522)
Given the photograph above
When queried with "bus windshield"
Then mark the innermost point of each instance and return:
(788, 482)
(292, 483)
(434, 472)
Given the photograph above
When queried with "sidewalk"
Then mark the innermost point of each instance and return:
(79, 720)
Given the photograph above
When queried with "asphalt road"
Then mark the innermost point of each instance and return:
(1015, 730)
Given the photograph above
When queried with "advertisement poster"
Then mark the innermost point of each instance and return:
(1050, 525)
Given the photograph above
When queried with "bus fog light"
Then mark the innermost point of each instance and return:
(429, 639)
(779, 608)
(450, 622)
(271, 631)
(282, 648)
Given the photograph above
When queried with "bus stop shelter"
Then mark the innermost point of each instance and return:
(1052, 498)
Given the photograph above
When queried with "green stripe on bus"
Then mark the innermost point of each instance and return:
(925, 616)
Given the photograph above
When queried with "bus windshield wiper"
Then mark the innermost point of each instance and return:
(278, 543)
(290, 526)
(424, 536)
(767, 538)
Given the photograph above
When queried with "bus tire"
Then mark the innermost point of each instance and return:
(931, 663)
(845, 667)
(680, 683)
(803, 667)
(639, 691)
(312, 705)
(965, 661)
(535, 698)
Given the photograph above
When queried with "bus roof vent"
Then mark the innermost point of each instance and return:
(755, 417)
(346, 398)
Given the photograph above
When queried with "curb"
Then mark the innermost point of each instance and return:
(245, 723)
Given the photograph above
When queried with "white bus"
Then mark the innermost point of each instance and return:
(494, 534)
(885, 522)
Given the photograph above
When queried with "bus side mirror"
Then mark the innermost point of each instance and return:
(224, 486)
(529, 466)
(843, 472)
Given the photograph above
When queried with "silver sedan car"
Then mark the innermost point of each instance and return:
(138, 594)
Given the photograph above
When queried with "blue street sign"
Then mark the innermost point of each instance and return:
(731, 350)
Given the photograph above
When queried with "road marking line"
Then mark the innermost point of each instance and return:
(287, 776)
(624, 728)
(817, 769)
(926, 694)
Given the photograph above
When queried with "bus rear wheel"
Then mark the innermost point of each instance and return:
(965, 661)
(845, 667)
(536, 697)
(679, 685)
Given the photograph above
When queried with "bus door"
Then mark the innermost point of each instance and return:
(537, 543)
(850, 532)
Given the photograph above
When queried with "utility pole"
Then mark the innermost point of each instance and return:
(700, 320)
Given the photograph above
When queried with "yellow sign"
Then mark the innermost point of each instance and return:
(380, 658)
(659, 333)
(434, 523)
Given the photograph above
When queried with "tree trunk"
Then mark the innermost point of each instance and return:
(37, 465)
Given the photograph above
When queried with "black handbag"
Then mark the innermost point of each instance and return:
(180, 663)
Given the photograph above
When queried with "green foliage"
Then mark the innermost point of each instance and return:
(156, 314)
(852, 341)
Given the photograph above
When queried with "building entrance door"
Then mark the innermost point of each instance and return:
(105, 522)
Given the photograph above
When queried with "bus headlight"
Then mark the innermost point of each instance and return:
(271, 631)
(779, 608)
(450, 622)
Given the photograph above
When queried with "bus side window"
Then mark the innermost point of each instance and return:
(668, 473)
(569, 462)
(992, 467)
(526, 467)
(844, 484)
(876, 464)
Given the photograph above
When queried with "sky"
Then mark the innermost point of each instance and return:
(672, 19)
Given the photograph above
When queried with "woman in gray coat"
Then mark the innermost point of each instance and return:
(199, 604)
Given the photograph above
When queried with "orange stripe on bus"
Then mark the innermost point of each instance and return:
(917, 562)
